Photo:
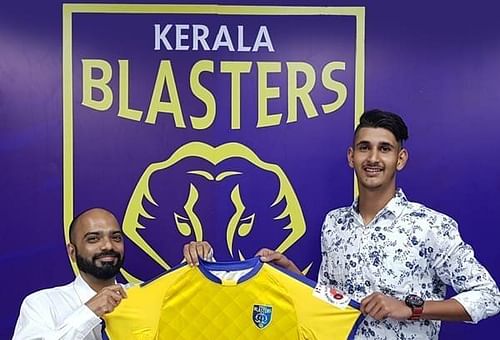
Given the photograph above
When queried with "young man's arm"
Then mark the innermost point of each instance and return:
(380, 306)
(456, 265)
(453, 260)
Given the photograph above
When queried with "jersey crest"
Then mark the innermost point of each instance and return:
(262, 315)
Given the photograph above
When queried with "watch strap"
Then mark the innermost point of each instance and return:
(416, 313)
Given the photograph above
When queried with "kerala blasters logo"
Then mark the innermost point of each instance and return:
(226, 195)
(262, 315)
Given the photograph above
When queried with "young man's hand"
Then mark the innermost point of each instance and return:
(380, 307)
(277, 258)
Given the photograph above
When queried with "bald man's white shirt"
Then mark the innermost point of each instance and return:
(59, 313)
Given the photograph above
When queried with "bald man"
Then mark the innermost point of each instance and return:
(74, 311)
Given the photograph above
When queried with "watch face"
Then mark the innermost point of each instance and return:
(414, 301)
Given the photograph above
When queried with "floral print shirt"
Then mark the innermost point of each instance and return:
(406, 249)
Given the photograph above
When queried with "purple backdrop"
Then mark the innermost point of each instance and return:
(438, 65)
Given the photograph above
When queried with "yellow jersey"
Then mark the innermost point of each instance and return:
(232, 300)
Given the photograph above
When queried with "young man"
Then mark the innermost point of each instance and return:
(393, 255)
(73, 311)
(397, 256)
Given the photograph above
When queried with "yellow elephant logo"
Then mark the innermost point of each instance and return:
(225, 194)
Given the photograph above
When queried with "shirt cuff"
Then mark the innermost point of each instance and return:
(83, 320)
(470, 301)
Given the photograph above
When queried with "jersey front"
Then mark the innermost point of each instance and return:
(232, 300)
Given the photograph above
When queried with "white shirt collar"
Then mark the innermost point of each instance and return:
(82, 288)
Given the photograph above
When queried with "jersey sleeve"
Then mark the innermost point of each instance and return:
(322, 313)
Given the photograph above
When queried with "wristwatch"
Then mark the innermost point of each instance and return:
(416, 303)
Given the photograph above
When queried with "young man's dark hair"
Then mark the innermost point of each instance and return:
(384, 119)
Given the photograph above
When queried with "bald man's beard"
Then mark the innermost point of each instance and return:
(106, 271)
